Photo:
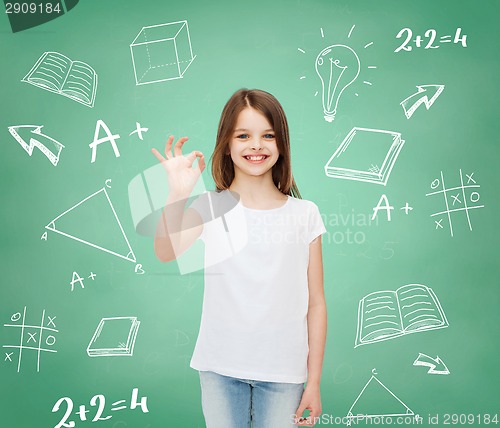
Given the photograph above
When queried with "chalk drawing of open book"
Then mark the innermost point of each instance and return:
(384, 315)
(55, 72)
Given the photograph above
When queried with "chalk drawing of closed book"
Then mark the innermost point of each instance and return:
(55, 72)
(365, 155)
(114, 337)
(384, 315)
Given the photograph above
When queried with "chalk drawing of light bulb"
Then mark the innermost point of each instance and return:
(337, 67)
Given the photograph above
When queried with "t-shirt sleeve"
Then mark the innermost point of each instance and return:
(316, 225)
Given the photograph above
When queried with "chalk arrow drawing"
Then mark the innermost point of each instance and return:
(436, 365)
(426, 94)
(31, 136)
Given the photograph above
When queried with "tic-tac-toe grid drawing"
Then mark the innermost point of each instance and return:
(31, 339)
(458, 199)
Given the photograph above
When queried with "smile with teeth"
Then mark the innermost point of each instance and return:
(256, 158)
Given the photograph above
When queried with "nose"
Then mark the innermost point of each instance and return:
(256, 144)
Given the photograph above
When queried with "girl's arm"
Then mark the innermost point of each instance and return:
(316, 325)
(173, 236)
(178, 228)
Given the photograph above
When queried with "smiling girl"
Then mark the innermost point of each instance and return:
(261, 342)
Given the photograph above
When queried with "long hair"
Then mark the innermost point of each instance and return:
(269, 106)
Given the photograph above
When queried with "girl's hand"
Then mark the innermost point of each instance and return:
(182, 176)
(311, 400)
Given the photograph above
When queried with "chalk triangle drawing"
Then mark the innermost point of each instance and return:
(92, 214)
(376, 400)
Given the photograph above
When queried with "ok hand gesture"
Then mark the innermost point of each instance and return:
(181, 174)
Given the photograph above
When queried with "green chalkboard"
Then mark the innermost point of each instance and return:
(401, 159)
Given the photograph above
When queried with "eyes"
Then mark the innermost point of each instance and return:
(244, 136)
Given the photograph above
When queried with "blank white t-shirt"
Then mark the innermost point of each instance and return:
(254, 318)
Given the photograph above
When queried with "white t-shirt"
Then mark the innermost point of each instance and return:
(254, 318)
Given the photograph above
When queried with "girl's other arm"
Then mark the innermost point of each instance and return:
(316, 325)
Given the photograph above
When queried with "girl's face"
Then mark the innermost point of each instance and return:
(253, 145)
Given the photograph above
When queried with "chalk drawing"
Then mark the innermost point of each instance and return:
(139, 130)
(97, 141)
(114, 337)
(338, 67)
(463, 198)
(407, 208)
(99, 401)
(107, 217)
(430, 34)
(55, 72)
(32, 338)
(76, 278)
(161, 52)
(387, 403)
(387, 207)
(383, 204)
(181, 338)
(384, 315)
(426, 95)
(31, 136)
(365, 155)
(435, 365)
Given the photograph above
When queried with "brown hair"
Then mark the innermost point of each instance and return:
(265, 103)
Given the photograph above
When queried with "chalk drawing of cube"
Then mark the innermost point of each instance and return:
(161, 52)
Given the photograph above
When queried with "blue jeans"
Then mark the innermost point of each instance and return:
(241, 403)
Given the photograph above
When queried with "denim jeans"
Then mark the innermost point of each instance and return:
(229, 402)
